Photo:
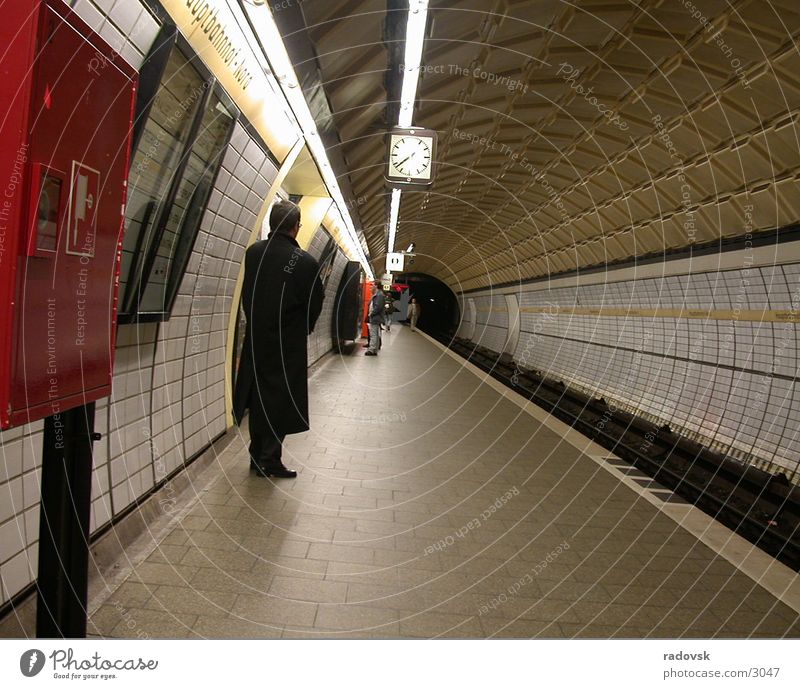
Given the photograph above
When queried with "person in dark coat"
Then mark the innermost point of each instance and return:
(282, 299)
(375, 319)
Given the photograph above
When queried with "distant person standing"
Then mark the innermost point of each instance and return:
(282, 299)
(375, 317)
(413, 313)
(388, 311)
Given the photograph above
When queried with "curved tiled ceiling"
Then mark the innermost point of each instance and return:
(571, 134)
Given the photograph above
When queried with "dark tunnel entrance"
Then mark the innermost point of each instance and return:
(439, 313)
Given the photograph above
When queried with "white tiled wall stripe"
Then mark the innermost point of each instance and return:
(491, 329)
(126, 25)
(173, 418)
(729, 383)
(130, 30)
(318, 242)
(320, 341)
(465, 324)
(20, 467)
(167, 402)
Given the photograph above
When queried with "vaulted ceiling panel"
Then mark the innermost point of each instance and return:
(570, 133)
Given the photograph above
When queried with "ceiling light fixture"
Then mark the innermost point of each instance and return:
(271, 42)
(415, 38)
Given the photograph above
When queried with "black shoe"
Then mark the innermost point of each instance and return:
(278, 471)
(368, 353)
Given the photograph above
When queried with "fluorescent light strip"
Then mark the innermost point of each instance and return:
(282, 68)
(415, 38)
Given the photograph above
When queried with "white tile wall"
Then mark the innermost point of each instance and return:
(321, 340)
(20, 467)
(167, 402)
(491, 329)
(318, 242)
(465, 324)
(126, 25)
(732, 384)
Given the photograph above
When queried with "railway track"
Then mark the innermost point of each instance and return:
(760, 506)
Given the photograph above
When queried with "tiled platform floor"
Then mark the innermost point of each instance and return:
(398, 526)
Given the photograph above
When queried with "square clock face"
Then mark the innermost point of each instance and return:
(410, 156)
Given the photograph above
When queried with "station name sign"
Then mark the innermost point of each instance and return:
(215, 31)
(206, 18)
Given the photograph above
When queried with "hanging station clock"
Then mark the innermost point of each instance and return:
(410, 157)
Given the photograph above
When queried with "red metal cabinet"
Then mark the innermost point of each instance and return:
(66, 111)
(367, 292)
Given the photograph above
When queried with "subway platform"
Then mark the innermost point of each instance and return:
(433, 503)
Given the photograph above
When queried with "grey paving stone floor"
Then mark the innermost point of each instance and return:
(427, 505)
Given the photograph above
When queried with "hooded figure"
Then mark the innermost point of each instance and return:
(282, 299)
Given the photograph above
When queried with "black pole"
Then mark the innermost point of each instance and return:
(62, 581)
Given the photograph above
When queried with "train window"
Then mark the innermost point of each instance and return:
(177, 156)
(155, 164)
(326, 259)
(183, 219)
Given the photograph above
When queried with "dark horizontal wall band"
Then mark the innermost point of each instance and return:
(700, 362)
(765, 238)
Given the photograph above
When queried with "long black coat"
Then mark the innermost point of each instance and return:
(282, 298)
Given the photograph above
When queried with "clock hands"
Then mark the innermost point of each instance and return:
(415, 154)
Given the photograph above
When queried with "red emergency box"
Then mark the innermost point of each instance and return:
(66, 112)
